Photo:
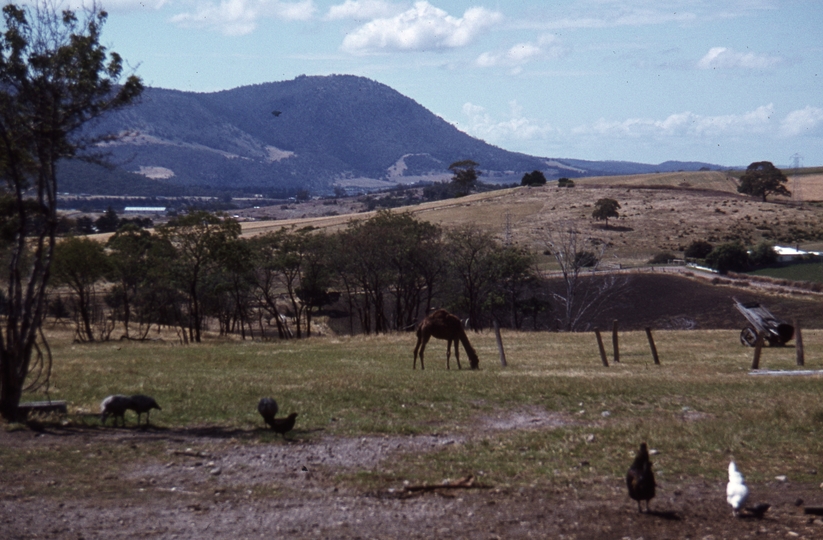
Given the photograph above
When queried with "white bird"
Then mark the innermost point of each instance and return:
(736, 490)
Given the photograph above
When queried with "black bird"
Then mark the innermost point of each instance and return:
(267, 408)
(282, 425)
(276, 113)
(640, 478)
(143, 404)
(116, 406)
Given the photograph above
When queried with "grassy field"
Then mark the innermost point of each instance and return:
(809, 271)
(583, 421)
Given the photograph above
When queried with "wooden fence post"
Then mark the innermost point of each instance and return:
(758, 346)
(499, 343)
(798, 344)
(602, 348)
(615, 344)
(651, 345)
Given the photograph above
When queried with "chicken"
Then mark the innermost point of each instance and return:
(640, 478)
(283, 425)
(116, 406)
(267, 408)
(736, 490)
(143, 404)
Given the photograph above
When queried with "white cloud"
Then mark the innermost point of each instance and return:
(807, 121)
(114, 6)
(362, 9)
(515, 127)
(685, 124)
(240, 17)
(724, 58)
(546, 47)
(423, 27)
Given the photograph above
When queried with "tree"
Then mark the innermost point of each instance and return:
(763, 254)
(109, 222)
(582, 291)
(79, 264)
(130, 263)
(698, 249)
(55, 77)
(470, 257)
(605, 209)
(729, 257)
(465, 176)
(761, 179)
(198, 239)
(534, 178)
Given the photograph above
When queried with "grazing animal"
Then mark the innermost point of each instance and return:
(115, 406)
(143, 404)
(736, 490)
(640, 478)
(443, 325)
(267, 408)
(283, 425)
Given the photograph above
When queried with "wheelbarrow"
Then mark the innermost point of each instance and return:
(775, 331)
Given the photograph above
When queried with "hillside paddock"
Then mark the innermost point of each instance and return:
(547, 439)
(658, 213)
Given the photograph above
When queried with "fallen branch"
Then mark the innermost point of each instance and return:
(464, 483)
(190, 453)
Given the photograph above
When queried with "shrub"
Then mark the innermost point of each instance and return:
(662, 258)
(584, 259)
(763, 254)
(698, 249)
(728, 257)
(534, 178)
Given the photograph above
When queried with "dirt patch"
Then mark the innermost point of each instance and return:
(209, 483)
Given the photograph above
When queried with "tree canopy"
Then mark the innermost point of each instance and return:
(762, 179)
(534, 178)
(606, 208)
(465, 176)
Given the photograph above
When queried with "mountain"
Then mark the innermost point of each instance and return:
(309, 133)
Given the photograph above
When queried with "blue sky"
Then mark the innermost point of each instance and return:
(722, 81)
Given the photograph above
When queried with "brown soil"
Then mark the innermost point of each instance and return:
(210, 483)
(677, 301)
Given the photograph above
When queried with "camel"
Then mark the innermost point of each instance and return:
(443, 325)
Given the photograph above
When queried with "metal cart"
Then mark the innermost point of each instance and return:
(775, 331)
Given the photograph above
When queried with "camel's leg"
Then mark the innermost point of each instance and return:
(422, 343)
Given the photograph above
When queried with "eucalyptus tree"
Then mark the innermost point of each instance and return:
(514, 284)
(199, 239)
(131, 264)
(390, 266)
(80, 264)
(471, 252)
(55, 77)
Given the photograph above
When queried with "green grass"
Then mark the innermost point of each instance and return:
(699, 407)
(806, 271)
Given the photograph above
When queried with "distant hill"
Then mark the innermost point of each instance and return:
(308, 133)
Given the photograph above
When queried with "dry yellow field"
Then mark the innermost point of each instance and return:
(662, 212)
(806, 187)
